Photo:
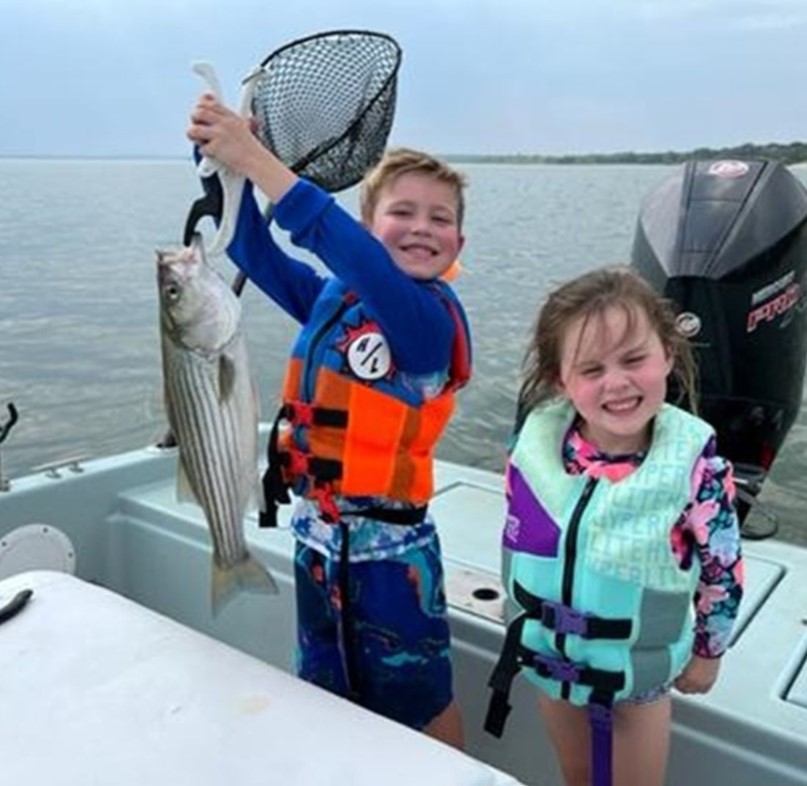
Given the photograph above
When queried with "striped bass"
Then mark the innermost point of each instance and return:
(212, 408)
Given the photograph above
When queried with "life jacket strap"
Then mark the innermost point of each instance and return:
(502, 676)
(563, 670)
(564, 619)
(300, 413)
(348, 642)
(321, 471)
(515, 656)
(275, 488)
(601, 724)
(299, 463)
(403, 516)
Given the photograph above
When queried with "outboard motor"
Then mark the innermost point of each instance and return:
(726, 241)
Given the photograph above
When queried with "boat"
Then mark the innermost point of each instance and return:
(116, 670)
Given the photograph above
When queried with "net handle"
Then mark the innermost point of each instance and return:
(226, 190)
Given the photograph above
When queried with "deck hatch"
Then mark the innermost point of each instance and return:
(761, 576)
(469, 519)
(797, 693)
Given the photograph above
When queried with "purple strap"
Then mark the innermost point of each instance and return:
(600, 718)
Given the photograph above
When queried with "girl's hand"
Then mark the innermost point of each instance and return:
(699, 675)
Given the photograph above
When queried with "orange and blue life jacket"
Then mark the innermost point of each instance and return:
(352, 423)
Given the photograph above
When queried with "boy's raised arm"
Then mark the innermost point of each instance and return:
(417, 324)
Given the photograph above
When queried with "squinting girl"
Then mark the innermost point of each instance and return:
(621, 544)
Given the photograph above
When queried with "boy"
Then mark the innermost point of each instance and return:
(368, 392)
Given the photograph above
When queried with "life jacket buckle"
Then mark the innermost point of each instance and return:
(563, 619)
(556, 668)
(323, 495)
(300, 413)
(297, 463)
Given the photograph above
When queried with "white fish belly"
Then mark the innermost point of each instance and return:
(217, 445)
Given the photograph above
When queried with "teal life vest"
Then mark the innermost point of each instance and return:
(600, 609)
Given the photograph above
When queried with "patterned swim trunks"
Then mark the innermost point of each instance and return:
(396, 661)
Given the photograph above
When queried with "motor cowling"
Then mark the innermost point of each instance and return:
(726, 241)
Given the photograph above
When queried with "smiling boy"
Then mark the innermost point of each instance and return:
(369, 390)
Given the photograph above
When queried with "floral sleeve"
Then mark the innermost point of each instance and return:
(710, 529)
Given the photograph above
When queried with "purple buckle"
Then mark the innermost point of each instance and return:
(564, 619)
(559, 669)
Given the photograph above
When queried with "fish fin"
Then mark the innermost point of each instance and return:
(184, 488)
(246, 576)
(226, 377)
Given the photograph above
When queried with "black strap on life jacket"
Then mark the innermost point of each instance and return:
(502, 676)
(348, 629)
(403, 516)
(563, 619)
(275, 488)
(563, 670)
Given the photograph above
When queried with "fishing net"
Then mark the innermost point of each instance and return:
(325, 104)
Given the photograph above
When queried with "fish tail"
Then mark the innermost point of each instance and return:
(245, 576)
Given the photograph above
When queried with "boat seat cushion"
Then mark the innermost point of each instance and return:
(99, 689)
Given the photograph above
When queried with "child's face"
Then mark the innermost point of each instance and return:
(416, 220)
(616, 380)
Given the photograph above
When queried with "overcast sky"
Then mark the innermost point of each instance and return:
(112, 77)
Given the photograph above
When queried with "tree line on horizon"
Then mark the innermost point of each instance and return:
(791, 153)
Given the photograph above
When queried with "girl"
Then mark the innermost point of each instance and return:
(620, 528)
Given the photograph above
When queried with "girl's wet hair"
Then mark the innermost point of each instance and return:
(588, 297)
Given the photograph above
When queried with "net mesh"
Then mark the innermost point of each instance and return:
(325, 104)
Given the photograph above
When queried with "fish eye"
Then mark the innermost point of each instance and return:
(172, 292)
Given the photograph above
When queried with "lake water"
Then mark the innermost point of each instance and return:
(78, 309)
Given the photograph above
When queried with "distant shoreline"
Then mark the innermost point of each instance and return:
(792, 153)
(789, 154)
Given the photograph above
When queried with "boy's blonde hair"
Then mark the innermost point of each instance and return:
(400, 161)
(588, 297)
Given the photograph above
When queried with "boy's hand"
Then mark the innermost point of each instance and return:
(224, 135)
(229, 138)
(699, 675)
